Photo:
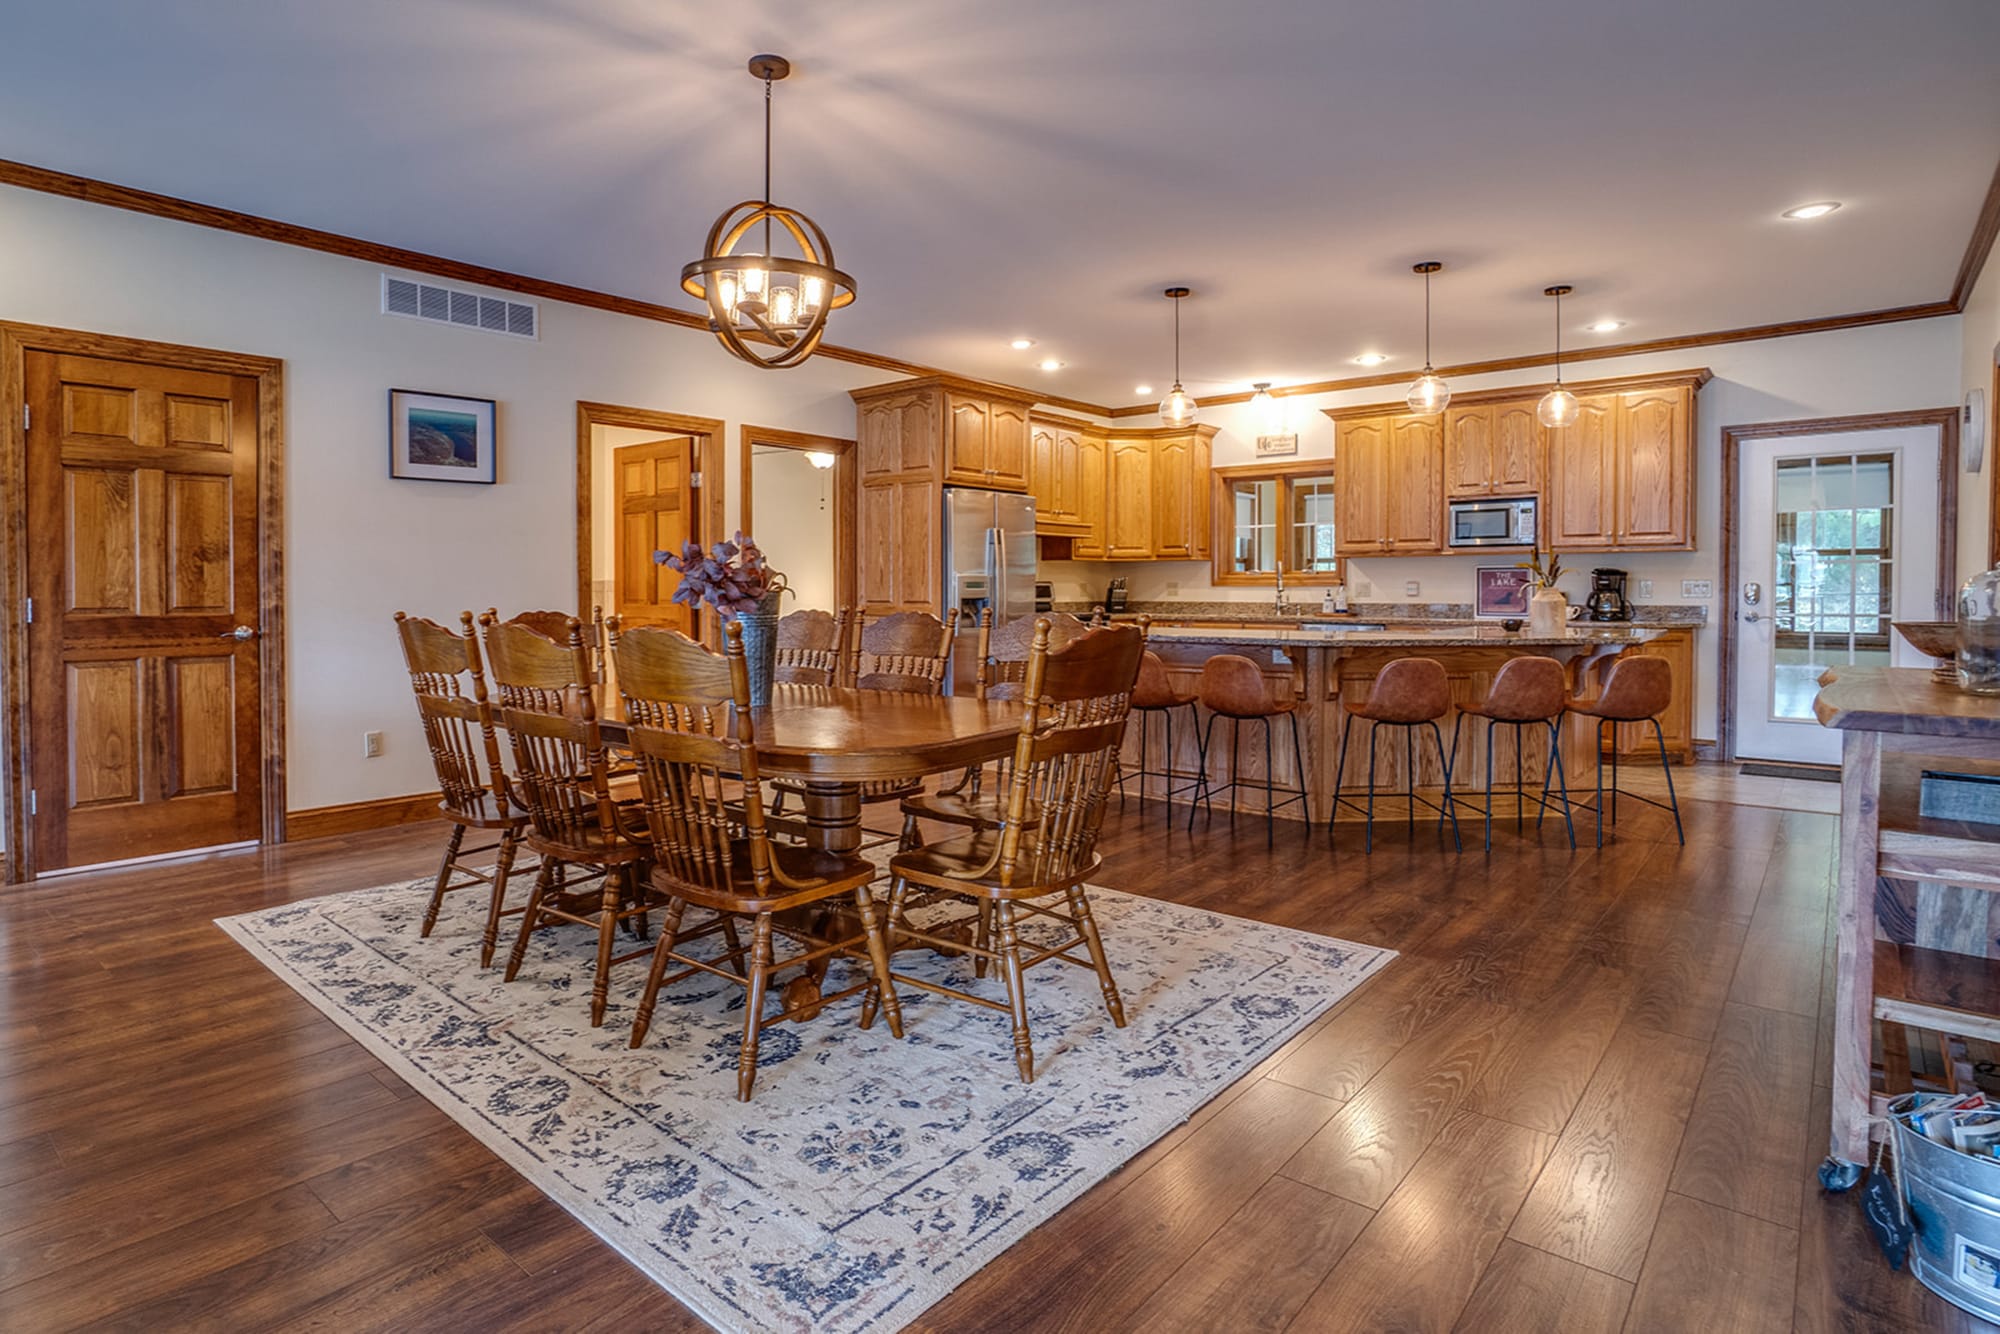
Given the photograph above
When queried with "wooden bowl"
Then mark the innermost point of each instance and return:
(1936, 639)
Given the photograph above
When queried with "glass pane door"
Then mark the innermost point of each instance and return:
(1832, 589)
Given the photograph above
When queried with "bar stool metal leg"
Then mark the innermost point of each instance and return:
(1448, 806)
(1339, 772)
(1368, 840)
(1667, 771)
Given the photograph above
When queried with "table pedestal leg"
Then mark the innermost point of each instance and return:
(833, 816)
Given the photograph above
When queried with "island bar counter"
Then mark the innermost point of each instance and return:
(1896, 723)
(1323, 668)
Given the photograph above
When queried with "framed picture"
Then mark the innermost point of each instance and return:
(1499, 591)
(440, 437)
(1277, 446)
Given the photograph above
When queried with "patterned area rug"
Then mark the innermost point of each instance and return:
(870, 1176)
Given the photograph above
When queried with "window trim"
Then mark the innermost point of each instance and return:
(1222, 525)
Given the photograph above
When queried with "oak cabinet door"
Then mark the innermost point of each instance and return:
(1653, 504)
(1468, 452)
(1517, 450)
(967, 425)
(1128, 500)
(1173, 497)
(1069, 476)
(1359, 454)
(1090, 506)
(1415, 484)
(1007, 446)
(1044, 474)
(897, 435)
(1581, 477)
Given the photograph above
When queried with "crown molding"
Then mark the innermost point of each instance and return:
(1694, 378)
(1984, 229)
(47, 181)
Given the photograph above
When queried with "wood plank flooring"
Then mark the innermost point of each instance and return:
(1531, 1121)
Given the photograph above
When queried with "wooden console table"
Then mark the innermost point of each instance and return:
(1895, 722)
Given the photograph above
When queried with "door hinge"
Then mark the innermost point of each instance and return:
(34, 807)
(694, 481)
(27, 416)
(30, 618)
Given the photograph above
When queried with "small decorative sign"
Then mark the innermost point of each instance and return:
(441, 437)
(1277, 446)
(1499, 591)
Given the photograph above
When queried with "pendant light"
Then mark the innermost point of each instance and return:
(767, 308)
(1430, 393)
(1178, 408)
(1558, 407)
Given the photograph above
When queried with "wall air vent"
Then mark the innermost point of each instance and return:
(451, 305)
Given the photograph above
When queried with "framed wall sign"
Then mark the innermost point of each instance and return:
(1277, 446)
(441, 437)
(1499, 591)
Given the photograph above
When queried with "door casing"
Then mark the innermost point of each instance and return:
(708, 434)
(16, 341)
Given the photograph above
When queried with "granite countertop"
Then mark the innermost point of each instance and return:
(1483, 635)
(1392, 613)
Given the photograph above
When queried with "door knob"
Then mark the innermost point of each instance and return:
(240, 633)
(1753, 616)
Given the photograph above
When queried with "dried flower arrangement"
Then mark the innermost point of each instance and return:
(1542, 573)
(733, 577)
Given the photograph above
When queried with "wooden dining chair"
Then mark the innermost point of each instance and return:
(690, 729)
(554, 626)
(811, 646)
(563, 779)
(449, 681)
(1064, 764)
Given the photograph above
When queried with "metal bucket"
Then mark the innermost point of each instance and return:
(1954, 1203)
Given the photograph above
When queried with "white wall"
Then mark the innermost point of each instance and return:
(360, 546)
(1979, 353)
(792, 504)
(1880, 369)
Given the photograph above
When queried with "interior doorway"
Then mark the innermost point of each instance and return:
(1832, 534)
(797, 500)
(144, 675)
(645, 481)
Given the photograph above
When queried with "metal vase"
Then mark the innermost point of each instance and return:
(760, 647)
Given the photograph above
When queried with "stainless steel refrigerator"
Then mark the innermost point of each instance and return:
(989, 561)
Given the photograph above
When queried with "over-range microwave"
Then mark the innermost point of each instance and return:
(1491, 523)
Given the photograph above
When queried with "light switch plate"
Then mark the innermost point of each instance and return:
(1412, 588)
(1697, 588)
(1173, 588)
(1645, 588)
(371, 745)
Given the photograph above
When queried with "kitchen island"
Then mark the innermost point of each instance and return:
(1320, 663)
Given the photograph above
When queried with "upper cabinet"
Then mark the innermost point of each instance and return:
(1619, 478)
(986, 441)
(1091, 465)
(1057, 453)
(1180, 495)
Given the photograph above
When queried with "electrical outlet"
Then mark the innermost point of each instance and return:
(371, 745)
(1646, 588)
(1698, 588)
(1360, 589)
(1173, 588)
(1412, 588)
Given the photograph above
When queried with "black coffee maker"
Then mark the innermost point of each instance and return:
(1607, 596)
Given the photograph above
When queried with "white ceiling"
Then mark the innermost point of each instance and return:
(1046, 166)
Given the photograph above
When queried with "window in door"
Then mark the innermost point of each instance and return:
(1833, 584)
(1270, 516)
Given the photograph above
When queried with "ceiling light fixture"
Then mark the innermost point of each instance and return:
(1178, 408)
(820, 459)
(1807, 212)
(1605, 326)
(1371, 358)
(1558, 406)
(1265, 409)
(1021, 344)
(780, 301)
(1430, 393)
(1142, 389)
(1050, 364)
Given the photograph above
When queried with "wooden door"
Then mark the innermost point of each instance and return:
(143, 573)
(1007, 446)
(1415, 484)
(1468, 452)
(1517, 450)
(1128, 500)
(1580, 477)
(897, 434)
(1173, 497)
(1090, 504)
(652, 509)
(1360, 506)
(1043, 479)
(968, 422)
(1652, 484)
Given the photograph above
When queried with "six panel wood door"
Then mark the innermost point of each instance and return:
(142, 563)
(1653, 486)
(1129, 500)
(652, 509)
(1581, 469)
(1414, 490)
(1360, 458)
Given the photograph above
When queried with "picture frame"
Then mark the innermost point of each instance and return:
(1500, 592)
(442, 437)
(1277, 446)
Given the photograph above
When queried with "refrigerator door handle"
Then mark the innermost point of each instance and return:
(999, 572)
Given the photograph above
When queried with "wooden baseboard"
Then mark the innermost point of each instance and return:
(358, 816)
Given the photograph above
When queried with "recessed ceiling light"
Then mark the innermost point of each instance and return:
(1021, 344)
(1371, 358)
(1050, 364)
(1604, 326)
(1807, 212)
(1142, 389)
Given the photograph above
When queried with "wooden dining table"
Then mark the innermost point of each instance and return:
(834, 739)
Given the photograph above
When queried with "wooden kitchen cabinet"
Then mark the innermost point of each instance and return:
(1181, 496)
(1389, 485)
(1360, 474)
(1622, 476)
(1577, 512)
(1128, 499)
(986, 442)
(1677, 722)
(1055, 476)
(1091, 450)
(1492, 449)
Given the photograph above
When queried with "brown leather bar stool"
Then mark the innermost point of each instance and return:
(1408, 693)
(1233, 687)
(1525, 691)
(1637, 690)
(1155, 694)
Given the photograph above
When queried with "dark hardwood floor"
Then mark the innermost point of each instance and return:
(1534, 1120)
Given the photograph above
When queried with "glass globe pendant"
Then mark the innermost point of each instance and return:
(1178, 408)
(1558, 407)
(1430, 393)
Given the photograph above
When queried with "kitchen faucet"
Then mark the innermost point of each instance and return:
(1280, 596)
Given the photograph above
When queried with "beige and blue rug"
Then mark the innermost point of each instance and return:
(869, 1176)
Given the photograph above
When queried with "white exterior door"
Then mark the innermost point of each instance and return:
(1840, 537)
